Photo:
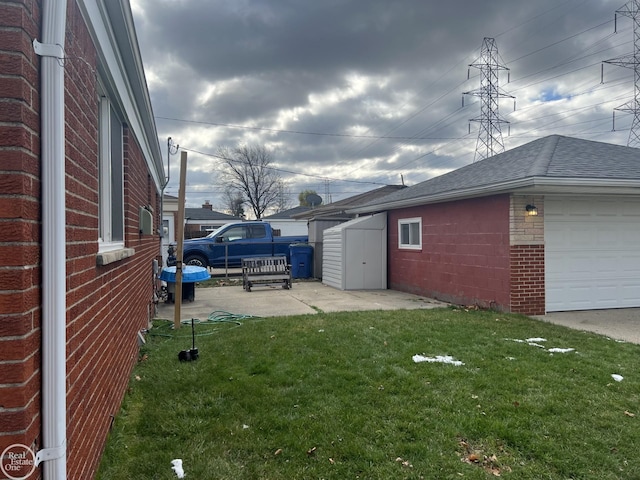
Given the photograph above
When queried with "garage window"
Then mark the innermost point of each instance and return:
(410, 233)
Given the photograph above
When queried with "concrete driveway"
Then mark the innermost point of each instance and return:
(313, 297)
(619, 323)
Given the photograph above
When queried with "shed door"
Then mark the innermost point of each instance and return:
(592, 252)
(364, 265)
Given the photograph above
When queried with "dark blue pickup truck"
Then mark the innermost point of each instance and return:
(229, 244)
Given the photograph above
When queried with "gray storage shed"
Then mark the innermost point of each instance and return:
(355, 254)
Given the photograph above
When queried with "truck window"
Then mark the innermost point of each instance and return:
(258, 231)
(235, 233)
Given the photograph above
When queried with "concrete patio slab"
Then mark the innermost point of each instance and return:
(303, 298)
(311, 297)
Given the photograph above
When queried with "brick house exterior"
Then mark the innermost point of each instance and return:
(109, 291)
(468, 237)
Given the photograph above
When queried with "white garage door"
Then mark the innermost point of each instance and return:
(592, 252)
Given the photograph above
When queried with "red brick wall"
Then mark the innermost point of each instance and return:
(465, 252)
(19, 224)
(527, 279)
(106, 305)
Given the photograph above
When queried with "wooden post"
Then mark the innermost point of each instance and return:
(180, 234)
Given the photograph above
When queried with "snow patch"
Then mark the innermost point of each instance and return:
(438, 359)
(560, 350)
(177, 467)
(535, 342)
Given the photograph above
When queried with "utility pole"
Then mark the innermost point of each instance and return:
(631, 60)
(327, 192)
(490, 133)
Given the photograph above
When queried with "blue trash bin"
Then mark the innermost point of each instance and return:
(301, 259)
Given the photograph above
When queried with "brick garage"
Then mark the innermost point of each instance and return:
(471, 236)
(108, 295)
(459, 248)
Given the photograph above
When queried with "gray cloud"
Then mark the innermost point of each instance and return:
(347, 69)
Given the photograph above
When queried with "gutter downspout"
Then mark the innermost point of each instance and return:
(54, 392)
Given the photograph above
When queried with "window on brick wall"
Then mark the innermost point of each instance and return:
(410, 233)
(111, 178)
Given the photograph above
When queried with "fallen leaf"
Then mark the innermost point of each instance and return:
(138, 378)
(474, 457)
(278, 452)
(311, 451)
(629, 414)
(331, 461)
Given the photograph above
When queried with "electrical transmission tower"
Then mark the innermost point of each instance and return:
(490, 134)
(632, 60)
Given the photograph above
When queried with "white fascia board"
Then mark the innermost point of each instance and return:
(122, 82)
(528, 185)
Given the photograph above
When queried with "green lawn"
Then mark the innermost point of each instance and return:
(339, 396)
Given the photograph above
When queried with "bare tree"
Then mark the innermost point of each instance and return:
(247, 172)
(233, 202)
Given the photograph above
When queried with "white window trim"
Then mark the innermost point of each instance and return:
(105, 241)
(409, 221)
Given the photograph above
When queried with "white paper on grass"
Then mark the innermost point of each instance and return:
(438, 359)
(616, 377)
(177, 467)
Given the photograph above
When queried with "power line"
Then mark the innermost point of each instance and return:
(321, 177)
(296, 132)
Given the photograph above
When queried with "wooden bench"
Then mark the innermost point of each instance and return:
(265, 270)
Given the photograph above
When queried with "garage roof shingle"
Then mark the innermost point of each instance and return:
(554, 156)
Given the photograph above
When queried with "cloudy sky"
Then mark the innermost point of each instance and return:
(350, 95)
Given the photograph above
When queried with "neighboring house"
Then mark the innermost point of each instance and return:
(80, 210)
(286, 224)
(327, 216)
(469, 236)
(199, 222)
(169, 215)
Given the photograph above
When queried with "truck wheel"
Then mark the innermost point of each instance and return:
(195, 260)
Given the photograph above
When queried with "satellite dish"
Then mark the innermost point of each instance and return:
(313, 200)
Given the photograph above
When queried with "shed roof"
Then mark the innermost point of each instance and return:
(551, 164)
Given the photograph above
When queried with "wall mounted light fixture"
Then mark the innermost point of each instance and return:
(531, 210)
